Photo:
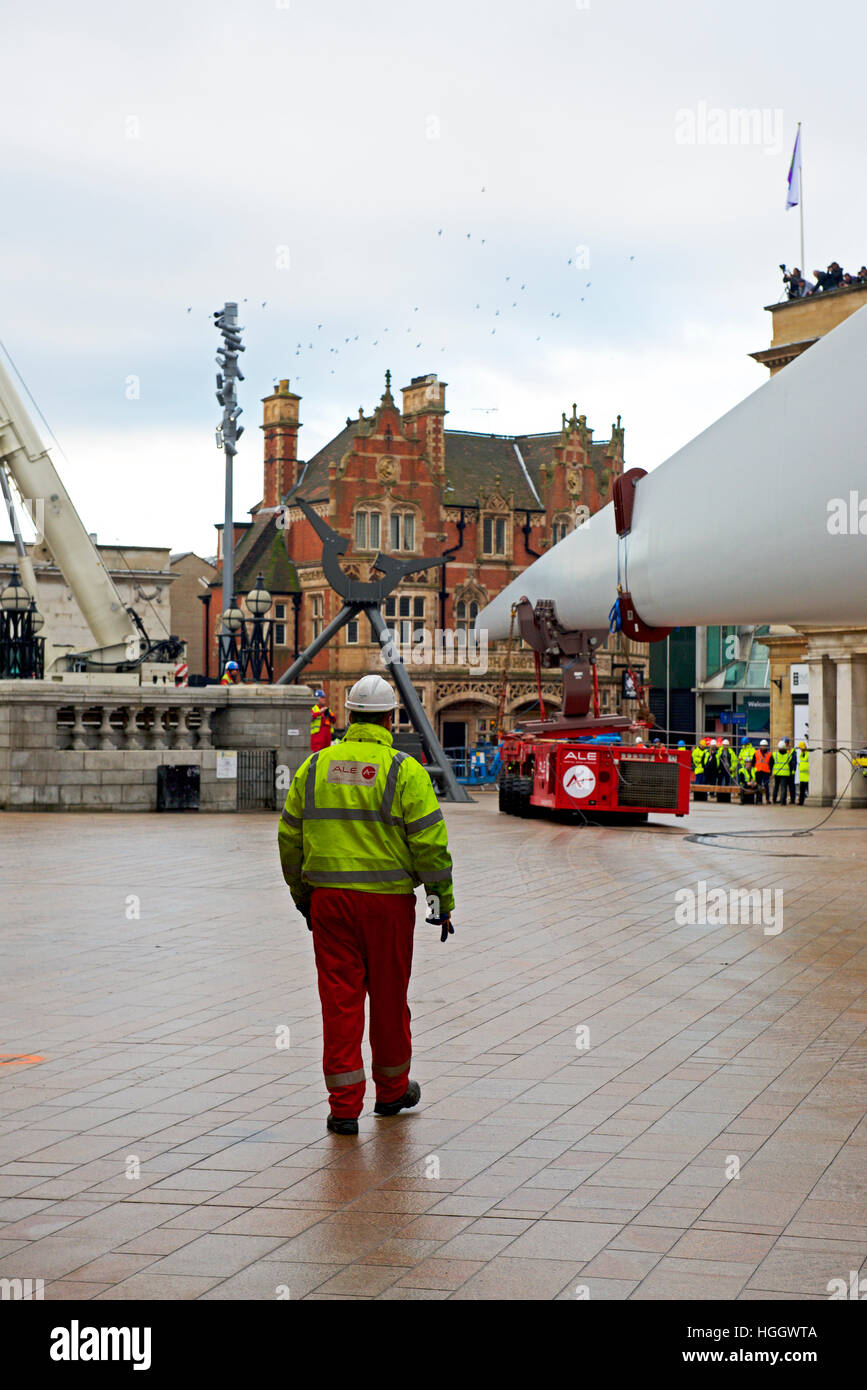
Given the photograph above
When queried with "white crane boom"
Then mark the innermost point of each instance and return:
(26, 459)
(780, 481)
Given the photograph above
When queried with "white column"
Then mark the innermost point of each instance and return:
(851, 725)
(822, 718)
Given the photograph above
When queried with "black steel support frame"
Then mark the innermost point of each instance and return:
(359, 597)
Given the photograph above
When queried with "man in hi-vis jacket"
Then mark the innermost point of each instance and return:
(361, 828)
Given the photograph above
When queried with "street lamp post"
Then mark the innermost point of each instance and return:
(228, 434)
(257, 635)
(231, 628)
(22, 650)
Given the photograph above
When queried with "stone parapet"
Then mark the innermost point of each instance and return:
(99, 747)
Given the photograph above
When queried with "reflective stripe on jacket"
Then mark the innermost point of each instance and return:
(363, 816)
(746, 754)
(697, 759)
(804, 764)
(783, 763)
(763, 760)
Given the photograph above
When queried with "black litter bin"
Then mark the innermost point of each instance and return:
(178, 787)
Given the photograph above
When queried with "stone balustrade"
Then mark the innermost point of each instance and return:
(88, 745)
(141, 726)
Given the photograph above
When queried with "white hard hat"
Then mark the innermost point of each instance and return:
(725, 743)
(764, 743)
(782, 743)
(371, 694)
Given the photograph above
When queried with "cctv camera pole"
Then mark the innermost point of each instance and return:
(228, 434)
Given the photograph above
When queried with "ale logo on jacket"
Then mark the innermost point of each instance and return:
(352, 774)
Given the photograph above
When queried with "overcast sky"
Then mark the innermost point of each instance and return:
(381, 170)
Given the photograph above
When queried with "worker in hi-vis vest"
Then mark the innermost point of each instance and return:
(784, 772)
(322, 722)
(360, 830)
(803, 772)
(698, 761)
(762, 764)
(746, 753)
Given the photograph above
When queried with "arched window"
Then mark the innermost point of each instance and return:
(466, 612)
(495, 536)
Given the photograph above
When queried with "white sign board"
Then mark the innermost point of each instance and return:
(799, 678)
(227, 763)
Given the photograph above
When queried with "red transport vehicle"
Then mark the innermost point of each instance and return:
(576, 762)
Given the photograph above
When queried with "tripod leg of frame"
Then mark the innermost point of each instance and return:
(432, 747)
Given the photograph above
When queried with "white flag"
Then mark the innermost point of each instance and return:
(793, 193)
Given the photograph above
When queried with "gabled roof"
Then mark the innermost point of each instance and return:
(263, 547)
(473, 462)
(313, 479)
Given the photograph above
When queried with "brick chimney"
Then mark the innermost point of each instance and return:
(424, 410)
(281, 425)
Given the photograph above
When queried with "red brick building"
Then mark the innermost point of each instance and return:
(398, 481)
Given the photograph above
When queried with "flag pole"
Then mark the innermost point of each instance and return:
(801, 199)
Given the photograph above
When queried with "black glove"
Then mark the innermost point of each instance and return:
(445, 921)
(304, 909)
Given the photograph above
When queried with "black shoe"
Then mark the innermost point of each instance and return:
(411, 1097)
(339, 1126)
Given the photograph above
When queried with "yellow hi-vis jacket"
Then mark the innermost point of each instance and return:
(784, 763)
(697, 759)
(361, 815)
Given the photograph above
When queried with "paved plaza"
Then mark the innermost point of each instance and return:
(630, 1091)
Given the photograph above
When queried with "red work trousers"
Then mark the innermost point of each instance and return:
(321, 739)
(363, 946)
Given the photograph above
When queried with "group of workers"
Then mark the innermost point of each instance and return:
(717, 763)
